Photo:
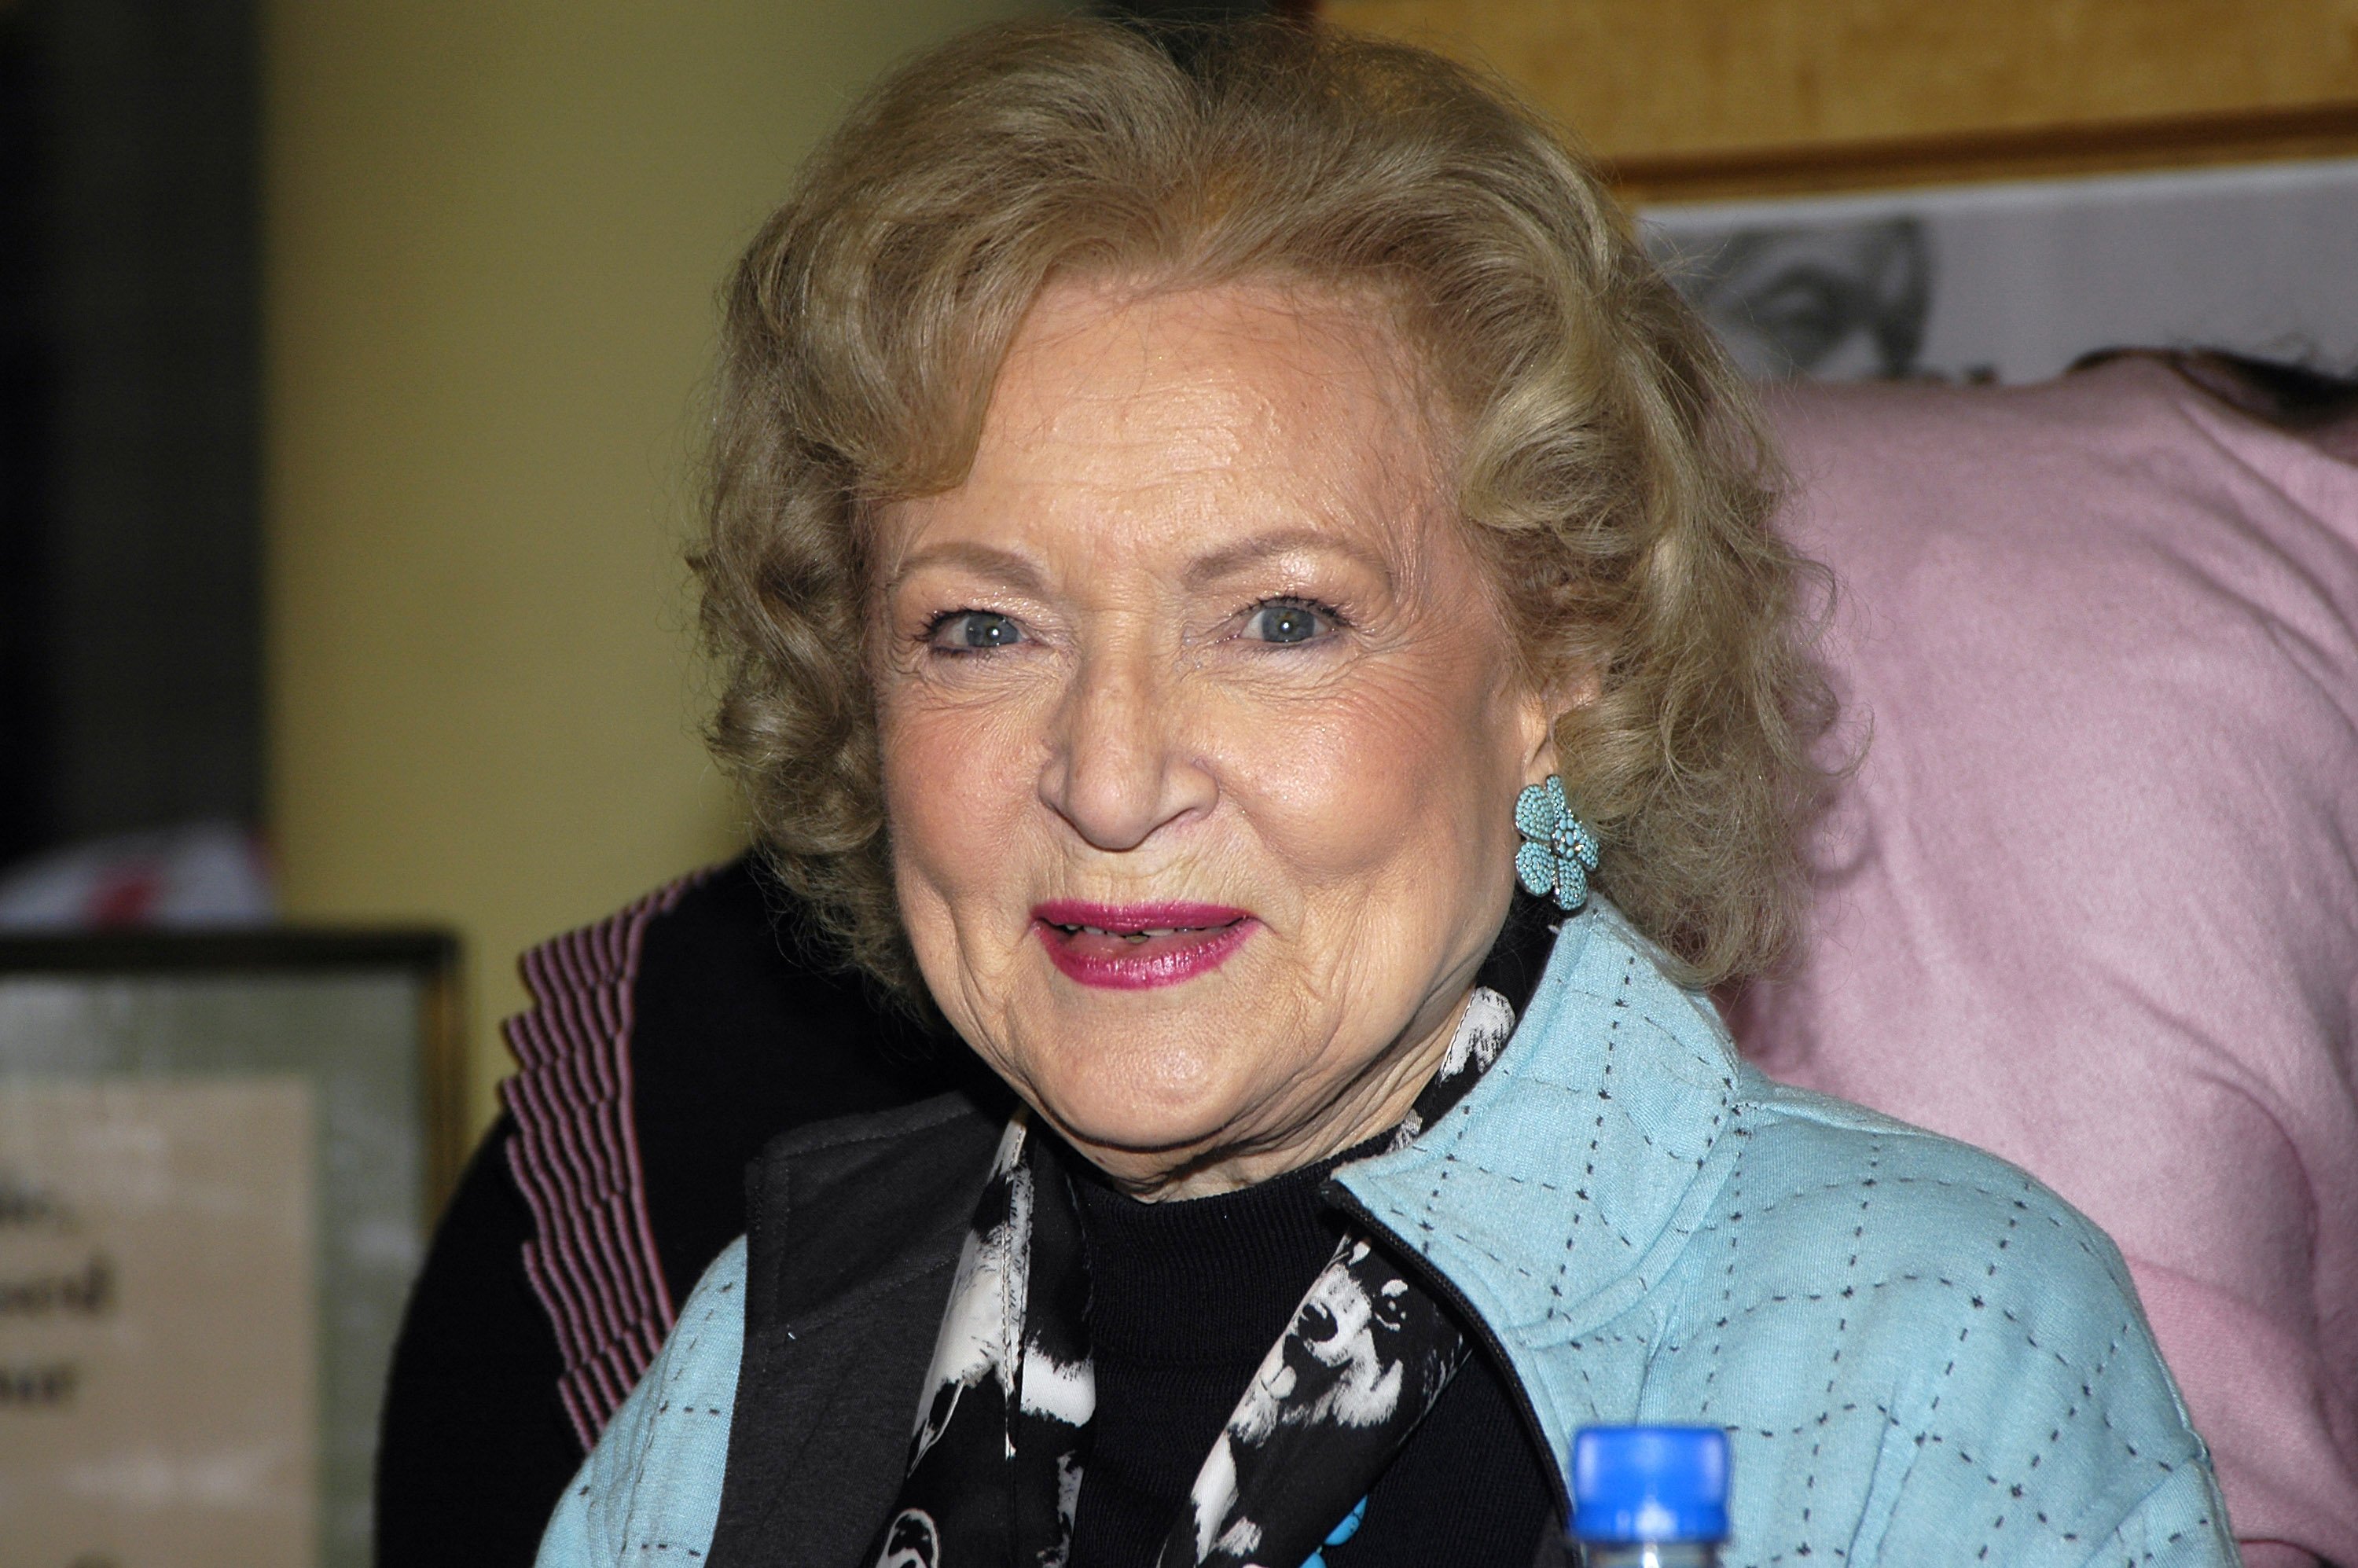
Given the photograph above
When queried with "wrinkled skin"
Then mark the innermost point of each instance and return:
(1200, 625)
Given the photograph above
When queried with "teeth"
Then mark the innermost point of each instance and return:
(1133, 935)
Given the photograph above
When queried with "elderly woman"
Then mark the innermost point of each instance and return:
(1192, 530)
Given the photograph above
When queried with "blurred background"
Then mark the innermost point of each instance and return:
(351, 354)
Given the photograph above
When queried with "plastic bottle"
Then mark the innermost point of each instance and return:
(1649, 1497)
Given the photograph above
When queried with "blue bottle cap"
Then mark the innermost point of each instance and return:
(1649, 1483)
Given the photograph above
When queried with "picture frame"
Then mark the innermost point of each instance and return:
(1999, 154)
(1886, 193)
(220, 1158)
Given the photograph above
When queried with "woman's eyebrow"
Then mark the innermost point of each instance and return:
(1230, 559)
(1010, 568)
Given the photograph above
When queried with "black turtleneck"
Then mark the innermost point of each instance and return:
(1187, 1296)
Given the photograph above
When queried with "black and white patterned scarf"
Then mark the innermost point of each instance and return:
(995, 1466)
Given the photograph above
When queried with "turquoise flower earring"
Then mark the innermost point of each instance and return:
(1558, 850)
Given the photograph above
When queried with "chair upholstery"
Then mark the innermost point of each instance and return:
(2089, 900)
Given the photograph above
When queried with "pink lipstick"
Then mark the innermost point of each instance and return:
(1136, 947)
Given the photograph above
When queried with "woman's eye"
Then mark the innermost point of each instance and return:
(1285, 622)
(971, 631)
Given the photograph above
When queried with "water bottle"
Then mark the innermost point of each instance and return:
(1649, 1497)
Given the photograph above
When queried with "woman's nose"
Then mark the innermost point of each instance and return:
(1118, 768)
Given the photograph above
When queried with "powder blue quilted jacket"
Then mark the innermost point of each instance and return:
(1922, 1355)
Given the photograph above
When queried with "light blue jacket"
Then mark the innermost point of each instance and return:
(1921, 1356)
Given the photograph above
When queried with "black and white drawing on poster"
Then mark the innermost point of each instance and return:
(2014, 282)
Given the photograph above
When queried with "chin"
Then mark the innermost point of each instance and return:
(1143, 1103)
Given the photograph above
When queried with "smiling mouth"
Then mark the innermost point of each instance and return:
(1148, 935)
(1135, 947)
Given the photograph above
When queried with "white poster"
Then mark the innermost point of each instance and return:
(2013, 282)
(158, 1406)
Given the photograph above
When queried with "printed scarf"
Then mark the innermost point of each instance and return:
(996, 1463)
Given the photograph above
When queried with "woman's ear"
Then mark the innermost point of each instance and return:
(1539, 711)
(1536, 718)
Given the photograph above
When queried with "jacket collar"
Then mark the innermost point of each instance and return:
(1558, 1191)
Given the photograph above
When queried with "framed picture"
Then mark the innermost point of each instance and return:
(2014, 281)
(220, 1157)
(1884, 189)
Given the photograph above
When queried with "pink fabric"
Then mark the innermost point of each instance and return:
(2090, 901)
(575, 1156)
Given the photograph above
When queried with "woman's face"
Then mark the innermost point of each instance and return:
(1201, 732)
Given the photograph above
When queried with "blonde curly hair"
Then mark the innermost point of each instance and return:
(1611, 467)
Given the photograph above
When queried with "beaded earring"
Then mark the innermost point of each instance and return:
(1558, 850)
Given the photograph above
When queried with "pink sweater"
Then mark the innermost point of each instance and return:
(2091, 902)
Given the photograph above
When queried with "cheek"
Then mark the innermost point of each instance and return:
(1378, 780)
(955, 782)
